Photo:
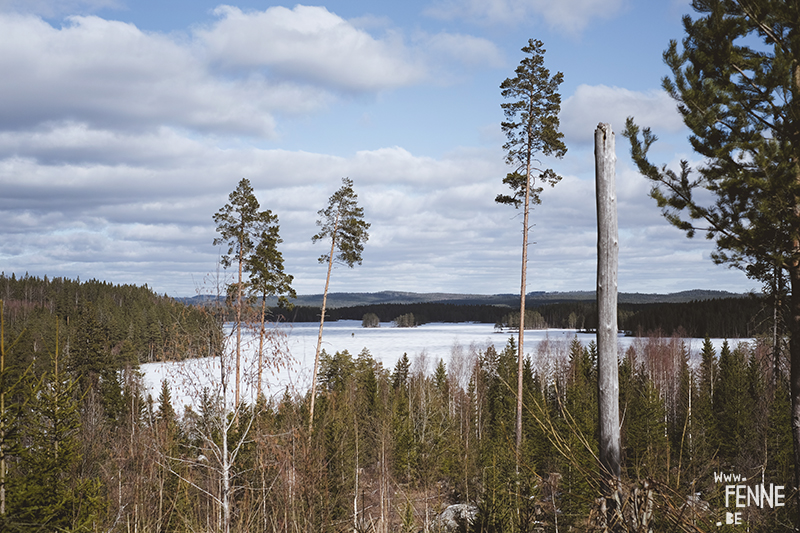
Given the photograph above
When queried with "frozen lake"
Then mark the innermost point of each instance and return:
(425, 344)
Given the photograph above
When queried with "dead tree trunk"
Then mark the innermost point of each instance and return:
(607, 256)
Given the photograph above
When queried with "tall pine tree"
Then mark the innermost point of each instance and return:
(736, 79)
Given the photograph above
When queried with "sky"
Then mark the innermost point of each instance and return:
(125, 125)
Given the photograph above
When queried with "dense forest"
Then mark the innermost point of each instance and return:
(131, 324)
(82, 449)
(718, 318)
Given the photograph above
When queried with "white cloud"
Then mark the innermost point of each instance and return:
(570, 16)
(592, 104)
(466, 49)
(112, 75)
(309, 44)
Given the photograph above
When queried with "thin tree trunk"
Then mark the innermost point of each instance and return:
(321, 323)
(522, 291)
(2, 414)
(794, 342)
(238, 324)
(355, 491)
(261, 346)
(607, 254)
(794, 353)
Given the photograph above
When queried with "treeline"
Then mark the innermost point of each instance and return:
(388, 312)
(131, 325)
(391, 449)
(718, 318)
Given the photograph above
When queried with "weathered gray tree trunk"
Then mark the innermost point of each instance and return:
(607, 261)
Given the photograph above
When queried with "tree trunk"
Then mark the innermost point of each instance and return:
(355, 489)
(239, 324)
(261, 347)
(607, 253)
(794, 354)
(794, 336)
(321, 323)
(522, 291)
(2, 414)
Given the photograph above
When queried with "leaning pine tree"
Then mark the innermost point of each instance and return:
(343, 223)
(531, 127)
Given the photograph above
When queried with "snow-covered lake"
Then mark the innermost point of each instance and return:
(425, 345)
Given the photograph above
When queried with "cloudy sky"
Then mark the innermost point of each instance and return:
(125, 124)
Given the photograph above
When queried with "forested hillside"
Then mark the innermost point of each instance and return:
(129, 324)
(740, 317)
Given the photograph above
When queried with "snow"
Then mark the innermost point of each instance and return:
(292, 347)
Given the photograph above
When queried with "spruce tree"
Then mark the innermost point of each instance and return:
(50, 494)
(580, 435)
(733, 407)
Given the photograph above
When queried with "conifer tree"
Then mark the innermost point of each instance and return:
(10, 414)
(50, 494)
(580, 435)
(343, 223)
(733, 407)
(240, 224)
(267, 278)
(736, 80)
(531, 127)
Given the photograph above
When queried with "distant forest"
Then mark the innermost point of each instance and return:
(718, 318)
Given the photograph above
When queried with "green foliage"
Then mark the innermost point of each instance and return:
(533, 320)
(241, 224)
(718, 318)
(417, 438)
(581, 431)
(48, 491)
(265, 266)
(133, 325)
(343, 222)
(400, 374)
(733, 406)
(531, 124)
(733, 81)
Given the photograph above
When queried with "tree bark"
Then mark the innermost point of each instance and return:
(239, 322)
(794, 354)
(607, 257)
(522, 291)
(321, 323)
(2, 414)
(261, 346)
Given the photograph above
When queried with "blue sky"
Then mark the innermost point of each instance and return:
(125, 124)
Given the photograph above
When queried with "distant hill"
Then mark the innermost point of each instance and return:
(352, 299)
